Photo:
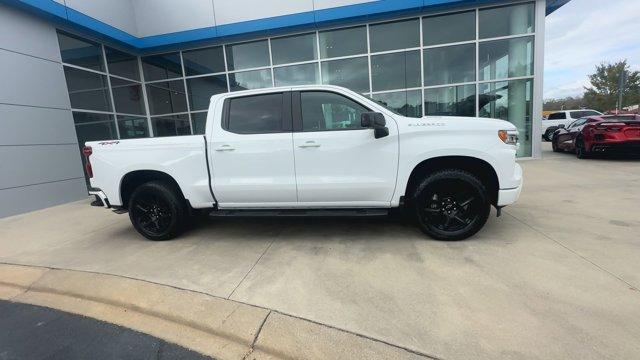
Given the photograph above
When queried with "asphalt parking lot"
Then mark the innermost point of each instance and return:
(557, 276)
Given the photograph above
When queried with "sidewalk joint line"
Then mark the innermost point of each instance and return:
(255, 338)
(633, 287)
(254, 265)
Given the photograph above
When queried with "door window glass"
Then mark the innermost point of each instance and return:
(322, 111)
(256, 114)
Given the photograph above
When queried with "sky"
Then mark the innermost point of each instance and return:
(584, 33)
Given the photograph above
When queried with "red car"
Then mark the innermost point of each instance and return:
(619, 134)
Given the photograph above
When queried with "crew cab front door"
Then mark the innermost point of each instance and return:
(337, 161)
(251, 150)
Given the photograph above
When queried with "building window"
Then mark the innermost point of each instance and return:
(395, 35)
(249, 55)
(451, 101)
(162, 67)
(202, 88)
(502, 59)
(167, 97)
(127, 96)
(247, 80)
(351, 73)
(303, 74)
(343, 42)
(511, 101)
(451, 28)
(87, 90)
(406, 103)
(293, 49)
(506, 21)
(172, 125)
(131, 127)
(203, 61)
(122, 64)
(450, 64)
(80, 52)
(400, 70)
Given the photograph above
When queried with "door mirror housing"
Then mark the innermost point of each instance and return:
(375, 121)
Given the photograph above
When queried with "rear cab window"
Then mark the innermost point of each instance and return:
(583, 113)
(258, 114)
(557, 116)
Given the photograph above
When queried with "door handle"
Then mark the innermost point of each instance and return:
(225, 148)
(309, 144)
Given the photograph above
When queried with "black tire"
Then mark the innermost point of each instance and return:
(581, 152)
(554, 145)
(548, 135)
(451, 205)
(157, 210)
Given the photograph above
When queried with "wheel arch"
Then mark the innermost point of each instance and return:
(133, 179)
(476, 166)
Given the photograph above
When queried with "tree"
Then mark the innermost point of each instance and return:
(564, 103)
(604, 90)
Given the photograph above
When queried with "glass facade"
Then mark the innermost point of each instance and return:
(476, 62)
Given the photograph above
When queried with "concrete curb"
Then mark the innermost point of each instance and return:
(216, 327)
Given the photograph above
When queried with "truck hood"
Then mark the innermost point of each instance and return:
(453, 123)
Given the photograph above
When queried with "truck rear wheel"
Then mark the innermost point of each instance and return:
(157, 210)
(451, 205)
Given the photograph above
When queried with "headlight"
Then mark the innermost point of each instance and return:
(509, 137)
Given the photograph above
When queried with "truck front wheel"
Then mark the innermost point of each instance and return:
(157, 210)
(451, 205)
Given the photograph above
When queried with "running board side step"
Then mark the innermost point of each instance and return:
(300, 213)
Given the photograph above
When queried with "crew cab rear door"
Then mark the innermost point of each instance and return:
(338, 162)
(251, 151)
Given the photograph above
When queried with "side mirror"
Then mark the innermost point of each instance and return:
(561, 126)
(375, 121)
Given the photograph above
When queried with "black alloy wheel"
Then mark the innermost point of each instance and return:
(157, 210)
(451, 205)
(549, 134)
(581, 152)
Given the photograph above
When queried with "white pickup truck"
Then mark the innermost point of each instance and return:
(311, 150)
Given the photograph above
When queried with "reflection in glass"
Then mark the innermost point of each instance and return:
(511, 101)
(122, 64)
(395, 35)
(92, 127)
(296, 75)
(503, 59)
(203, 61)
(405, 103)
(255, 79)
(87, 90)
(80, 52)
(451, 101)
(166, 97)
(248, 55)
(350, 73)
(127, 96)
(132, 127)
(199, 121)
(506, 20)
(395, 71)
(202, 88)
(449, 28)
(325, 111)
(163, 66)
(293, 49)
(450, 64)
(173, 125)
(343, 42)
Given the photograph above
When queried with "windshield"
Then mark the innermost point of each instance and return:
(583, 113)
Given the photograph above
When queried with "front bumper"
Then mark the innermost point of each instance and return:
(510, 196)
(102, 196)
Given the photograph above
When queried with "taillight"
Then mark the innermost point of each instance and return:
(612, 126)
(87, 151)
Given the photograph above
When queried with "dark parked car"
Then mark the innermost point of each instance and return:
(590, 135)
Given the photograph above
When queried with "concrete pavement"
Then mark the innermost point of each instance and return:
(556, 277)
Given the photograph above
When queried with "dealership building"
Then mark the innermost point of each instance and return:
(84, 70)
